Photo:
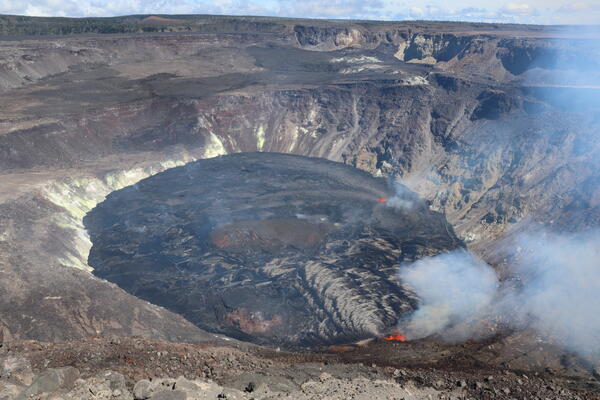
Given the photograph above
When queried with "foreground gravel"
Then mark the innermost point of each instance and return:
(135, 368)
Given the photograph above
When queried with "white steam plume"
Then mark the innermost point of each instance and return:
(559, 295)
(453, 287)
(559, 292)
(403, 199)
(561, 288)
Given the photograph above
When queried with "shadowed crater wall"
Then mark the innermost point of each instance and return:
(271, 248)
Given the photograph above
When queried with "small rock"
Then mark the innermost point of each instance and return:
(461, 384)
(169, 395)
(250, 387)
(325, 376)
(52, 380)
(115, 340)
(115, 379)
(142, 390)
(17, 368)
(9, 391)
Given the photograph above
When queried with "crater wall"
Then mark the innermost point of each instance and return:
(450, 110)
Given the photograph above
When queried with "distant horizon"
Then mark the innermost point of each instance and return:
(527, 12)
(442, 21)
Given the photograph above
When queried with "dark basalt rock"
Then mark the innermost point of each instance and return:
(272, 248)
(493, 104)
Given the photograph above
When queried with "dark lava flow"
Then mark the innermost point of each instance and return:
(270, 248)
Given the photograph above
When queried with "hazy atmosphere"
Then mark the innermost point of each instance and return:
(524, 12)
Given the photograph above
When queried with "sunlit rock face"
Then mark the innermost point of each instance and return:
(272, 248)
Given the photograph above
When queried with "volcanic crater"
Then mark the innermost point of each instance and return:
(495, 125)
(275, 249)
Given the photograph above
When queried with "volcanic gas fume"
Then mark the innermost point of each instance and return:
(452, 288)
(558, 293)
(403, 198)
(272, 248)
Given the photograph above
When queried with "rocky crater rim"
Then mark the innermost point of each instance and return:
(75, 197)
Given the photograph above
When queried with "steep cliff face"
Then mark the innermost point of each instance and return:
(460, 144)
(469, 116)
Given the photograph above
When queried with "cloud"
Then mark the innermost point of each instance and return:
(531, 11)
(417, 12)
(104, 8)
(519, 9)
(330, 9)
(578, 6)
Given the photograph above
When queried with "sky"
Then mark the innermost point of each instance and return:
(517, 11)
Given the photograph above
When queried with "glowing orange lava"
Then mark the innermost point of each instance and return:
(395, 337)
(382, 200)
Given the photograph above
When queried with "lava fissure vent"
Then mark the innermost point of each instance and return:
(271, 248)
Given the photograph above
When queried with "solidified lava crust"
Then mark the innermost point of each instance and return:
(271, 248)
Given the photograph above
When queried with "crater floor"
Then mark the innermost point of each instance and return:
(271, 248)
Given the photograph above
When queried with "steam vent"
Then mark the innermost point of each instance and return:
(270, 248)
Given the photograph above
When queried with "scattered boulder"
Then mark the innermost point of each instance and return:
(249, 388)
(141, 390)
(172, 395)
(9, 391)
(16, 369)
(180, 388)
(104, 386)
(324, 376)
(51, 380)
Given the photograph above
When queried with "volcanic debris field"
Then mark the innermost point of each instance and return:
(201, 206)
